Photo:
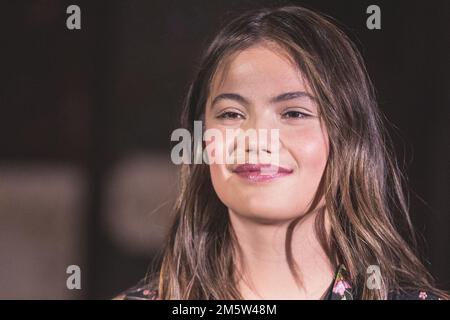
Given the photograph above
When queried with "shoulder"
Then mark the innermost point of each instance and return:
(145, 289)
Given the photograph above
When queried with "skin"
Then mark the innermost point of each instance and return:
(260, 212)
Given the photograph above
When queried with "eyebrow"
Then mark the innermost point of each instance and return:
(279, 98)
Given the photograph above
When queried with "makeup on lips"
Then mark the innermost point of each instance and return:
(261, 172)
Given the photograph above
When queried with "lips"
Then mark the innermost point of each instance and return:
(261, 172)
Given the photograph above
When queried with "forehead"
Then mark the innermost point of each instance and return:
(260, 69)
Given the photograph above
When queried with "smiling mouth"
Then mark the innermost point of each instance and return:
(261, 172)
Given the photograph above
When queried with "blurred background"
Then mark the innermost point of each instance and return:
(86, 118)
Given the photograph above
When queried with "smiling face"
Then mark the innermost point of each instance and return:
(260, 88)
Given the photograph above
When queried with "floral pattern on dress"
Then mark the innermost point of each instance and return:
(143, 290)
(340, 289)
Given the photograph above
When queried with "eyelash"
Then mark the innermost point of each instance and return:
(226, 115)
(302, 114)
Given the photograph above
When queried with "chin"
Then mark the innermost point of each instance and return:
(265, 217)
(267, 209)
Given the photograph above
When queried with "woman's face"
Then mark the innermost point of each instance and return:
(259, 88)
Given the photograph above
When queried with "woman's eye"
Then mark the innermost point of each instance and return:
(294, 114)
(230, 115)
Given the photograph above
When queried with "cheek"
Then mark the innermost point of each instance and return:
(309, 149)
(216, 172)
(312, 157)
(220, 181)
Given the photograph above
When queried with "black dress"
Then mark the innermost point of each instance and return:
(340, 289)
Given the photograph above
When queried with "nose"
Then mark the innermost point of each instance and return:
(258, 138)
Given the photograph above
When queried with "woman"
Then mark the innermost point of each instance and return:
(326, 224)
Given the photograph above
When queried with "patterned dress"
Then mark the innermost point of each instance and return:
(341, 288)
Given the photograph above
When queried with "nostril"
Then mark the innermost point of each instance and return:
(248, 150)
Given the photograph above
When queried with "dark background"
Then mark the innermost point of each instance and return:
(89, 99)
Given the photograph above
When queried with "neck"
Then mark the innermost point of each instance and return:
(263, 270)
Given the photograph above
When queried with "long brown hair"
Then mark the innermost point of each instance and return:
(362, 183)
